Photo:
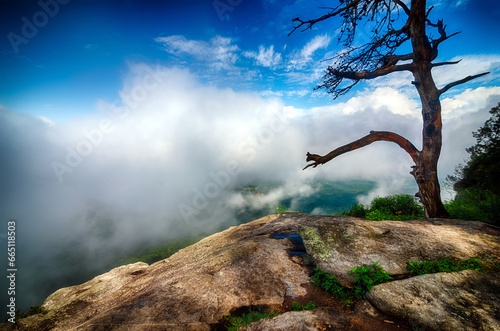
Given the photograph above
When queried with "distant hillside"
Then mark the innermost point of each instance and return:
(330, 197)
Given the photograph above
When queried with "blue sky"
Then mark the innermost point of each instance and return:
(82, 53)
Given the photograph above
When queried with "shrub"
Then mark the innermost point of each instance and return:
(379, 215)
(399, 207)
(399, 204)
(367, 277)
(358, 210)
(474, 204)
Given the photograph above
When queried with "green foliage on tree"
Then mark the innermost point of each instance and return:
(477, 182)
(483, 168)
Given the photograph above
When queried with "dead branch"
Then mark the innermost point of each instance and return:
(370, 74)
(445, 63)
(403, 6)
(309, 23)
(461, 81)
(366, 140)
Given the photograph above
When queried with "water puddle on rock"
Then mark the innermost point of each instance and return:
(297, 242)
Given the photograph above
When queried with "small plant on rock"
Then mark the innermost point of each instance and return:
(236, 322)
(367, 277)
(447, 265)
(298, 307)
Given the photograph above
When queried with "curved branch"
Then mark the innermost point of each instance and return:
(366, 140)
(461, 81)
(428, 12)
(403, 6)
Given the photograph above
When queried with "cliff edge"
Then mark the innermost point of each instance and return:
(267, 263)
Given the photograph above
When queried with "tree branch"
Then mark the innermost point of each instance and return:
(461, 81)
(445, 63)
(442, 32)
(366, 140)
(370, 74)
(428, 12)
(310, 23)
(403, 6)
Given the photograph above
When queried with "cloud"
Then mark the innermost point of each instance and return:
(303, 57)
(265, 57)
(469, 101)
(381, 99)
(218, 52)
(164, 161)
(221, 60)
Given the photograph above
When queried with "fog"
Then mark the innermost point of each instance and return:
(163, 160)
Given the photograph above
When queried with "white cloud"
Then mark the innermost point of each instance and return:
(265, 57)
(385, 99)
(303, 57)
(316, 43)
(469, 101)
(218, 52)
(173, 141)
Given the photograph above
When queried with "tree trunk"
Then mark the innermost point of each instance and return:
(425, 170)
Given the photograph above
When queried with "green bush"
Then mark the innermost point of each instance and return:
(399, 204)
(367, 277)
(474, 204)
(399, 207)
(358, 210)
(379, 215)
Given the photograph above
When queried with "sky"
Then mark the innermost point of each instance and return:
(130, 121)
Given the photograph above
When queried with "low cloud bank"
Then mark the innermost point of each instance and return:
(164, 161)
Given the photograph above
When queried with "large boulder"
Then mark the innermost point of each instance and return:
(338, 244)
(327, 318)
(261, 264)
(466, 300)
(192, 290)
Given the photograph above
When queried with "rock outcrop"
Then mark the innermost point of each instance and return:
(339, 244)
(261, 264)
(465, 300)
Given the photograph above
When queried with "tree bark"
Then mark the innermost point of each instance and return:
(425, 169)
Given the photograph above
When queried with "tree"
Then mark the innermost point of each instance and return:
(483, 168)
(397, 27)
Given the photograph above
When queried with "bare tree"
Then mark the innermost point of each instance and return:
(397, 25)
